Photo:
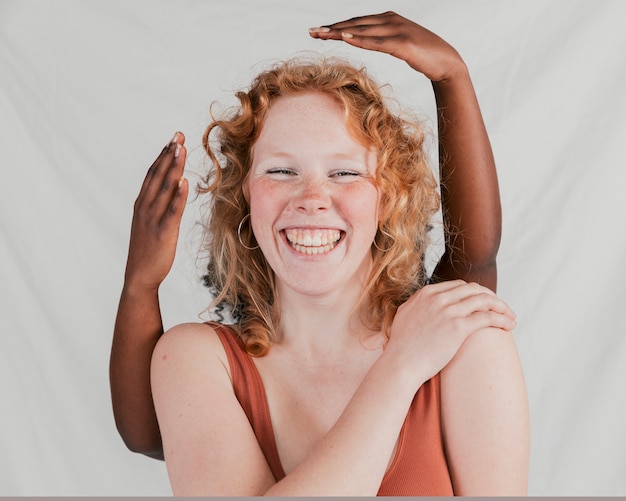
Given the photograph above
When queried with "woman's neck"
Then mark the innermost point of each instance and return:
(323, 327)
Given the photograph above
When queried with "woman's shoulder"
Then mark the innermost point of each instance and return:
(487, 359)
(186, 335)
(187, 345)
(189, 367)
(202, 422)
(487, 350)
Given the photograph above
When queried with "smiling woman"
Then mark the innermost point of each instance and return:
(327, 154)
(346, 372)
(328, 193)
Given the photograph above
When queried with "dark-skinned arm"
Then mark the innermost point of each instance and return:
(138, 326)
(469, 185)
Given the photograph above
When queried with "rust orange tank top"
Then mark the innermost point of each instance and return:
(419, 467)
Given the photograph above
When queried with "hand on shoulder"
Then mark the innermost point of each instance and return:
(432, 325)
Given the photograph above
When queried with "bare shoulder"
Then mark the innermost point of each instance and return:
(484, 352)
(192, 331)
(486, 371)
(485, 416)
(188, 341)
(190, 353)
(208, 442)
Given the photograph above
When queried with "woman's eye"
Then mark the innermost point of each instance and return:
(345, 174)
(280, 171)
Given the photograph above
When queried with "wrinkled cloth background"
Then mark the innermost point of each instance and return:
(91, 91)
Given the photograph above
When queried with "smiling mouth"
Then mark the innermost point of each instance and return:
(312, 241)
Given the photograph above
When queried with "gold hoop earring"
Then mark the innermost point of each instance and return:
(382, 250)
(239, 234)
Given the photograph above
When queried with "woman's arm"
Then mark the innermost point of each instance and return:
(209, 445)
(469, 185)
(485, 417)
(138, 325)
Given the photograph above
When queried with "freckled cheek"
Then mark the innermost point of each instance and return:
(360, 200)
(362, 211)
(265, 208)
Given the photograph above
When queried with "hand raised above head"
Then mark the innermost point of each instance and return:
(156, 220)
(431, 326)
(400, 37)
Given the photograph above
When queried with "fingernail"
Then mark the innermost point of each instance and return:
(174, 138)
(346, 35)
(180, 182)
(177, 150)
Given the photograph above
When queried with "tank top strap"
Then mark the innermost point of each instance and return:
(250, 392)
(420, 466)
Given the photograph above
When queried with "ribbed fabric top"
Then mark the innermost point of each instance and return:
(419, 467)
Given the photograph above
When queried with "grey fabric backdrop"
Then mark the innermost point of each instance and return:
(91, 91)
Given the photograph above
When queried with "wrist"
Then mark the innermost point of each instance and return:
(458, 72)
(138, 289)
(407, 372)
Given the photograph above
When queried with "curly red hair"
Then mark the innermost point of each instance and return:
(242, 279)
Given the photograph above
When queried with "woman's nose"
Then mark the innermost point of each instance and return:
(313, 197)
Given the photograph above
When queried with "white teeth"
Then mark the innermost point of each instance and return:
(312, 250)
(312, 241)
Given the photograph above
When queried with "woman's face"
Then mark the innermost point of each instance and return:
(313, 200)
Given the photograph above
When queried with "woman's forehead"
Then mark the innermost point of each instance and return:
(313, 117)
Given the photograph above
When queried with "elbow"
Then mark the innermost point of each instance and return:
(475, 257)
(488, 251)
(480, 253)
(475, 244)
(141, 443)
(150, 449)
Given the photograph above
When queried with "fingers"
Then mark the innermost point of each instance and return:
(390, 33)
(380, 32)
(155, 172)
(451, 292)
(462, 302)
(465, 299)
(488, 319)
(479, 308)
(356, 24)
(164, 193)
(174, 211)
(164, 188)
(382, 38)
